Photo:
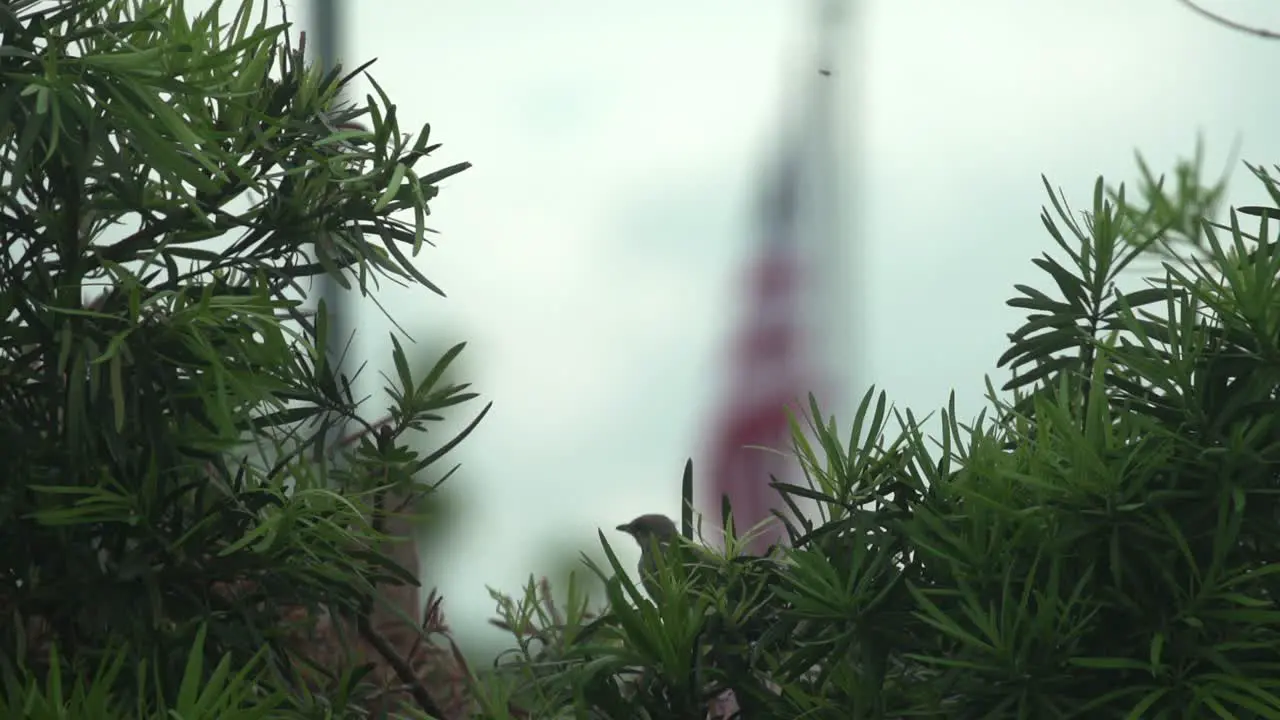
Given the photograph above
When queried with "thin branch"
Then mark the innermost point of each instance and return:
(366, 629)
(1228, 23)
(400, 665)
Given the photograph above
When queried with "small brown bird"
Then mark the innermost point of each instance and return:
(654, 533)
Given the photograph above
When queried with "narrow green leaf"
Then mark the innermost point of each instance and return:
(117, 391)
(393, 187)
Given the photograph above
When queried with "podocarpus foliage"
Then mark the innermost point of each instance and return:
(174, 514)
(1101, 542)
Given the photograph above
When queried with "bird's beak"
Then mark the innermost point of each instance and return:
(625, 528)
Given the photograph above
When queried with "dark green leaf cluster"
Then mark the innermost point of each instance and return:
(170, 473)
(1101, 542)
(223, 692)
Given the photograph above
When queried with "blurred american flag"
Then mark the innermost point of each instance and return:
(769, 369)
(796, 315)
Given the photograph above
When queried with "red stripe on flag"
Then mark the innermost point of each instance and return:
(767, 378)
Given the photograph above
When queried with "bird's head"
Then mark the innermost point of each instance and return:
(651, 527)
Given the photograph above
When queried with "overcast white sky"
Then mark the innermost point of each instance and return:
(592, 256)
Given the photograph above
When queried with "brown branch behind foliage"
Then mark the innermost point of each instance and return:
(408, 669)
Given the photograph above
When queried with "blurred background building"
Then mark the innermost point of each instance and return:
(595, 255)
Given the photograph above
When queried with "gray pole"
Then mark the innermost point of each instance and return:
(842, 304)
(327, 24)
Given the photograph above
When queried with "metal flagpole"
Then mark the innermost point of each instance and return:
(396, 601)
(327, 27)
(841, 304)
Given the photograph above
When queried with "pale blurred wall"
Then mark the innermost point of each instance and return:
(592, 254)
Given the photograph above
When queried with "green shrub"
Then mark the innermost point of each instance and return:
(1101, 542)
(170, 475)
(219, 694)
